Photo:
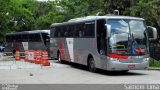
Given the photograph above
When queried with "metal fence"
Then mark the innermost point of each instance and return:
(155, 49)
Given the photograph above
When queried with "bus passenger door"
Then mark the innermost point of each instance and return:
(103, 50)
(101, 42)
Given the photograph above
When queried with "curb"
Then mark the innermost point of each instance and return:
(154, 68)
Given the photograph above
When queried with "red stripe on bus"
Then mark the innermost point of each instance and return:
(62, 50)
(116, 56)
(17, 47)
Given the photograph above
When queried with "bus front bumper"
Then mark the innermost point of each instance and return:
(119, 66)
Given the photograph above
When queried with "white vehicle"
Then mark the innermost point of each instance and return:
(114, 43)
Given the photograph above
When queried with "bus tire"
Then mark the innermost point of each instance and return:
(91, 65)
(59, 58)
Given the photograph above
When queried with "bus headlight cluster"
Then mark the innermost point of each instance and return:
(114, 59)
(146, 59)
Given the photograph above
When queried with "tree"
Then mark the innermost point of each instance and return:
(149, 10)
(4, 18)
(121, 5)
(20, 15)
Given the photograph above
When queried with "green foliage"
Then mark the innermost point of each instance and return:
(154, 63)
(121, 5)
(46, 20)
(31, 14)
(81, 8)
(149, 10)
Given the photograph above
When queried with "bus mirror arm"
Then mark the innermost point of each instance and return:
(108, 30)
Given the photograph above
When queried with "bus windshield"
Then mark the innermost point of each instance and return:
(128, 37)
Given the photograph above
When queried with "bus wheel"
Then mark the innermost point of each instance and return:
(91, 65)
(59, 58)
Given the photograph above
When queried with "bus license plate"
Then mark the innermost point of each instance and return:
(131, 66)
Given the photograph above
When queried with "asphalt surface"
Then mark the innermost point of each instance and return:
(68, 73)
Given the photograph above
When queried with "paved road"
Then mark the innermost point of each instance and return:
(75, 74)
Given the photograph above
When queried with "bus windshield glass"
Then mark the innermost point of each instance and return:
(45, 38)
(128, 37)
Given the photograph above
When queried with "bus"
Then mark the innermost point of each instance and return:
(113, 43)
(27, 40)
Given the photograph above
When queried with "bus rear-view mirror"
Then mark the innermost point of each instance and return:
(108, 28)
(152, 33)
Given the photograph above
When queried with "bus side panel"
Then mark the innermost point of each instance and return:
(69, 49)
(60, 44)
(83, 48)
(88, 46)
(66, 48)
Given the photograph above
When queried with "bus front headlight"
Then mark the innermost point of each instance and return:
(114, 59)
(146, 59)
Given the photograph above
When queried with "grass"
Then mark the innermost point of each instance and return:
(154, 63)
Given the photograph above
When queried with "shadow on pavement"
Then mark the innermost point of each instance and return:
(119, 73)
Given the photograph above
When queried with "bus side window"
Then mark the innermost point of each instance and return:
(31, 37)
(81, 30)
(62, 31)
(19, 38)
(55, 32)
(66, 34)
(11, 38)
(45, 38)
(14, 38)
(80, 33)
(71, 31)
(58, 31)
(37, 37)
(8, 39)
(89, 29)
(68, 30)
(76, 31)
(25, 38)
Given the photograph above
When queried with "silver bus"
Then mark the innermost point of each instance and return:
(114, 43)
(27, 40)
